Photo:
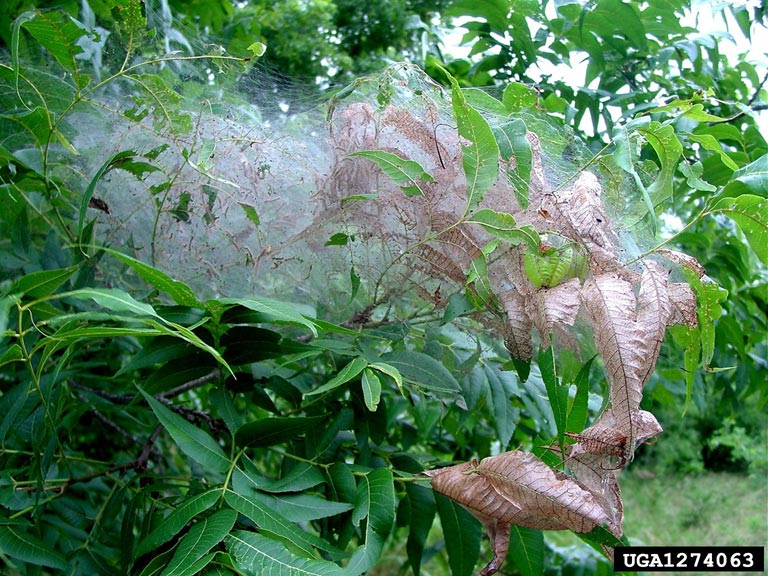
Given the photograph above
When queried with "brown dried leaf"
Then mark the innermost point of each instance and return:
(553, 310)
(518, 488)
(611, 304)
(683, 302)
(517, 330)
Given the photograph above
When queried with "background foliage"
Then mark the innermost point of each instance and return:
(148, 429)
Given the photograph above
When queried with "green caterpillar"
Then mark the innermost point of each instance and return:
(549, 266)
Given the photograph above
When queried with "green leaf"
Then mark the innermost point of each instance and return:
(668, 150)
(693, 172)
(709, 142)
(17, 544)
(354, 280)
(688, 338)
(376, 502)
(371, 389)
(273, 431)
(578, 412)
(750, 179)
(709, 297)
(250, 213)
(338, 239)
(390, 371)
(608, 16)
(114, 300)
(526, 548)
(626, 155)
(502, 226)
(11, 354)
(178, 291)
(557, 393)
(176, 520)
(257, 555)
(458, 304)
(193, 441)
(273, 311)
(349, 372)
(462, 534)
(156, 564)
(403, 172)
(58, 33)
(196, 543)
(43, 283)
(257, 49)
(750, 212)
(422, 370)
(518, 96)
(301, 477)
(478, 283)
(187, 334)
(301, 507)
(513, 144)
(270, 521)
(157, 95)
(494, 12)
(422, 508)
(123, 160)
(480, 159)
(505, 414)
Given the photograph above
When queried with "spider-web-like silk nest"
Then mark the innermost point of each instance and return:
(299, 179)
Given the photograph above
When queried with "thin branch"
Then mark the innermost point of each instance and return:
(192, 384)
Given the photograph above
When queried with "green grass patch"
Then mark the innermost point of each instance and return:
(706, 509)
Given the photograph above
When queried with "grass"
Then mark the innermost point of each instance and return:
(705, 509)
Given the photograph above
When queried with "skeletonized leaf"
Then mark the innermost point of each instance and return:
(611, 304)
(517, 329)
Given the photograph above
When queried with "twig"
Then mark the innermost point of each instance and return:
(139, 464)
(191, 385)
